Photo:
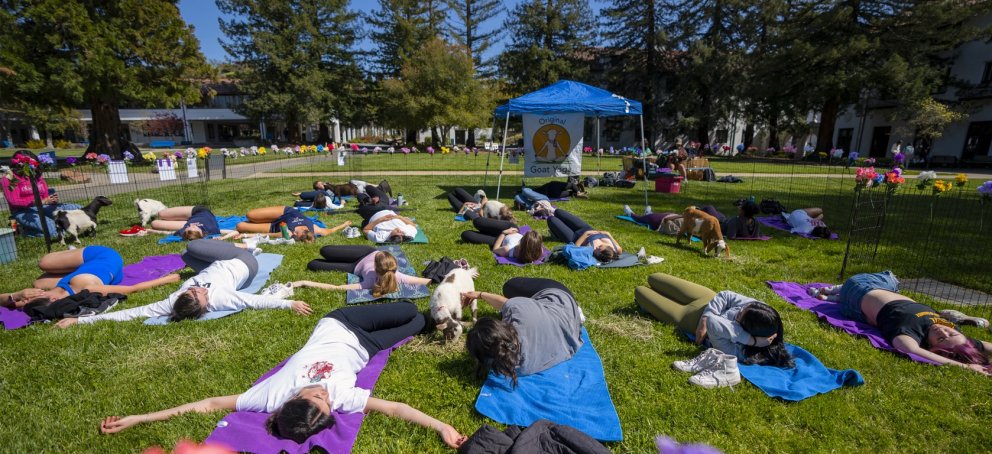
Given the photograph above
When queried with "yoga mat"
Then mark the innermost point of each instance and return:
(630, 219)
(403, 291)
(695, 239)
(148, 268)
(573, 393)
(151, 267)
(809, 378)
(513, 261)
(179, 239)
(623, 261)
(244, 431)
(460, 218)
(231, 222)
(830, 312)
(266, 264)
(778, 222)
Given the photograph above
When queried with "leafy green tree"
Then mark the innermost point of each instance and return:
(296, 58)
(437, 89)
(642, 54)
(548, 38)
(67, 53)
(466, 30)
(400, 28)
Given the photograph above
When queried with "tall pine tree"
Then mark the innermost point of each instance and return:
(466, 28)
(68, 53)
(548, 39)
(642, 54)
(296, 58)
(400, 28)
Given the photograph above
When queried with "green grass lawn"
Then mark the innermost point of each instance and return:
(56, 385)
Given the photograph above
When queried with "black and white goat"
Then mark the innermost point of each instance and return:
(78, 222)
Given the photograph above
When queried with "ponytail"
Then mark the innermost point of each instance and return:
(385, 269)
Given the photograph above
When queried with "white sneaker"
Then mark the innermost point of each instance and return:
(278, 290)
(627, 211)
(281, 241)
(654, 260)
(723, 373)
(704, 360)
(647, 210)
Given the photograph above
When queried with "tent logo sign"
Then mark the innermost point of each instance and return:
(551, 143)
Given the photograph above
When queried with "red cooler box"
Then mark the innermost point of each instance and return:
(670, 184)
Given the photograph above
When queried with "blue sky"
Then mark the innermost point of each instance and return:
(203, 15)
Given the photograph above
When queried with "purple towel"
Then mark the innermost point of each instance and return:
(148, 268)
(152, 267)
(13, 318)
(778, 222)
(745, 238)
(513, 261)
(244, 431)
(830, 312)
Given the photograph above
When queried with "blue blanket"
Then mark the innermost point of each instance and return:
(809, 378)
(404, 291)
(266, 264)
(572, 393)
(580, 258)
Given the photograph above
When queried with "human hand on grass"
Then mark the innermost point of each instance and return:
(114, 424)
(67, 322)
(302, 308)
(984, 370)
(451, 436)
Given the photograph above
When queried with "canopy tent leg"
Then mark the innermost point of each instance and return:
(644, 162)
(502, 156)
(599, 157)
(489, 153)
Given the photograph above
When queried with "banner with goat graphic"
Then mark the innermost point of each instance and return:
(553, 144)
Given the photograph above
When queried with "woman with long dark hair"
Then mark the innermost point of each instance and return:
(320, 378)
(541, 326)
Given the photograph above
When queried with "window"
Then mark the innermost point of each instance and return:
(987, 73)
(721, 135)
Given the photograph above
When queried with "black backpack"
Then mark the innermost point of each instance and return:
(610, 178)
(590, 182)
(771, 206)
(436, 270)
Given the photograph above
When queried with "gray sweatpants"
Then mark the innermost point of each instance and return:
(201, 253)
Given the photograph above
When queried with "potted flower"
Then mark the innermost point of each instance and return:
(961, 180)
(986, 191)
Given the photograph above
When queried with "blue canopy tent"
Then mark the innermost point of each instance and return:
(568, 96)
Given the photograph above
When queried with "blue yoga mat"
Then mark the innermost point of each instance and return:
(809, 378)
(266, 264)
(573, 393)
(403, 291)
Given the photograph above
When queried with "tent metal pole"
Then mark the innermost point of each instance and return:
(502, 156)
(599, 157)
(488, 153)
(644, 162)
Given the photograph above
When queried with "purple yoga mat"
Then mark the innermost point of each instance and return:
(830, 312)
(778, 222)
(148, 268)
(244, 431)
(152, 267)
(513, 261)
(745, 238)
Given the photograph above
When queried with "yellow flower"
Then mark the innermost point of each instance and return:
(202, 154)
(261, 150)
(961, 179)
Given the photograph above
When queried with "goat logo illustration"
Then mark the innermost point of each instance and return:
(552, 143)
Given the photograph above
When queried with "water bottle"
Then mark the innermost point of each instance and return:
(399, 200)
(284, 229)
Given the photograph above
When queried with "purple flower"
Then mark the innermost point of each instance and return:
(71, 161)
(46, 159)
(986, 189)
(102, 158)
(128, 155)
(897, 170)
(899, 158)
(179, 155)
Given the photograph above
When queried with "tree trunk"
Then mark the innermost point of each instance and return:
(773, 131)
(106, 132)
(48, 139)
(434, 136)
(828, 119)
(324, 134)
(703, 132)
(748, 135)
(294, 131)
(411, 136)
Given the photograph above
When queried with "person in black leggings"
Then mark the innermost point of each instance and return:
(505, 240)
(377, 269)
(569, 228)
(540, 327)
(458, 198)
(562, 189)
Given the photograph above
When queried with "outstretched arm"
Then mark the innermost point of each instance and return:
(323, 286)
(405, 412)
(114, 424)
(907, 344)
(128, 289)
(371, 225)
(324, 232)
(494, 300)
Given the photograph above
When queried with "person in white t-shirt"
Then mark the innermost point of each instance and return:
(808, 221)
(319, 379)
(222, 269)
(385, 226)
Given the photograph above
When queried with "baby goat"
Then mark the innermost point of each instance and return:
(78, 222)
